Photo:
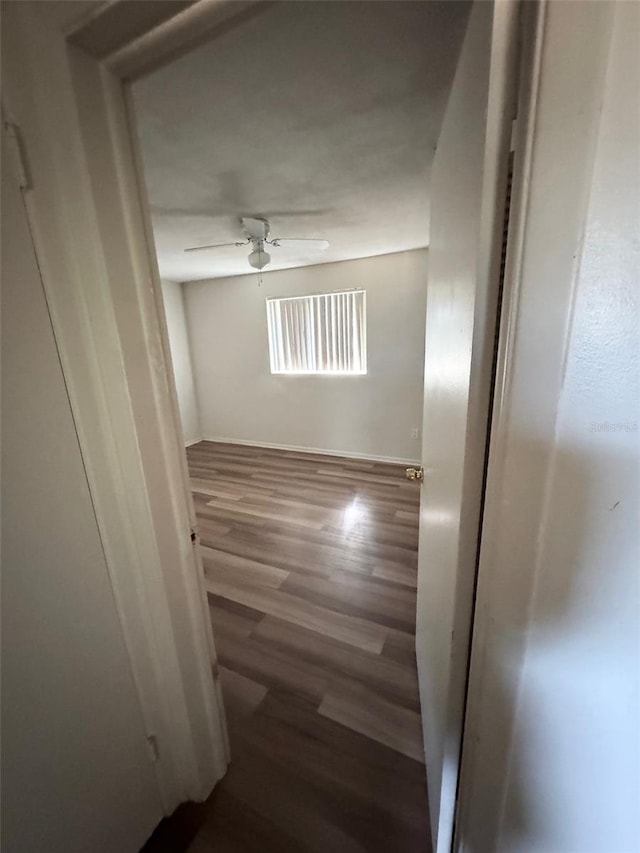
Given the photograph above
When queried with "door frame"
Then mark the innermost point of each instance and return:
(66, 98)
(66, 90)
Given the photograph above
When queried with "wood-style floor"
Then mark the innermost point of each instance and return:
(310, 565)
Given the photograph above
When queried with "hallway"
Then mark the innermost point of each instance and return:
(310, 566)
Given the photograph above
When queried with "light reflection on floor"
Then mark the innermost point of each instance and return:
(354, 515)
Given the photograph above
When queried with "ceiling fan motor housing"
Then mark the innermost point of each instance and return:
(256, 227)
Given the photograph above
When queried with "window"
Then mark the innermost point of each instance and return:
(318, 334)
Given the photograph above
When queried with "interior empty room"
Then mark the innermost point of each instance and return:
(319, 426)
(291, 227)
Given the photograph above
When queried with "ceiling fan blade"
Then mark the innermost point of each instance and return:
(216, 246)
(300, 243)
(256, 228)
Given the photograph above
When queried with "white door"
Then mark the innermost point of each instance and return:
(468, 188)
(77, 773)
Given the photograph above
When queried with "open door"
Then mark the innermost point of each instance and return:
(468, 194)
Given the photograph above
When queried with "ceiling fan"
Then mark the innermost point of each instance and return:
(257, 230)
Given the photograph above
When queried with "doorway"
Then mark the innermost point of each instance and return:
(153, 416)
(297, 446)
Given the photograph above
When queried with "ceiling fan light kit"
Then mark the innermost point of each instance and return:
(259, 258)
(257, 230)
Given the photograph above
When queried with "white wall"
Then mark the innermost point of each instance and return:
(181, 359)
(368, 415)
(554, 743)
(76, 769)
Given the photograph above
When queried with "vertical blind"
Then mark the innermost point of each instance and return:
(318, 334)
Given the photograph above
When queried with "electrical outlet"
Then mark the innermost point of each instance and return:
(415, 433)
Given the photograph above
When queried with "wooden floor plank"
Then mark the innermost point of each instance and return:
(242, 695)
(367, 712)
(300, 808)
(350, 629)
(223, 566)
(384, 675)
(374, 793)
(272, 668)
(364, 601)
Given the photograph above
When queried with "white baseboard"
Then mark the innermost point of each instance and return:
(322, 451)
(195, 441)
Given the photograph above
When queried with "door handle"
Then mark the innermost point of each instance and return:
(415, 473)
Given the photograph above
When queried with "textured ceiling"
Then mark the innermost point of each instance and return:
(321, 116)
